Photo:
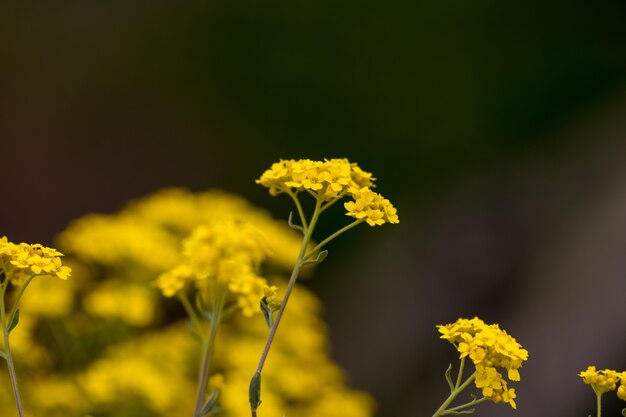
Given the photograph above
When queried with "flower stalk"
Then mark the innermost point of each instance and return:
(208, 346)
(7, 326)
(327, 182)
(308, 232)
(455, 390)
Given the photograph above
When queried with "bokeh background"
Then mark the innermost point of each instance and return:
(498, 130)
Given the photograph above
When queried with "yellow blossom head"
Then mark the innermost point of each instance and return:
(22, 261)
(605, 380)
(489, 348)
(330, 180)
(227, 254)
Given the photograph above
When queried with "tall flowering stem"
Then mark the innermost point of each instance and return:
(292, 281)
(327, 182)
(19, 264)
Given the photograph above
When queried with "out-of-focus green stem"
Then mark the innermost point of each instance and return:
(208, 347)
(7, 347)
(193, 316)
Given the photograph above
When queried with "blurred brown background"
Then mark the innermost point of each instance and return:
(498, 130)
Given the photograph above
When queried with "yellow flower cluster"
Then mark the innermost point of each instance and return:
(22, 261)
(228, 254)
(147, 233)
(136, 357)
(104, 302)
(371, 206)
(329, 180)
(155, 373)
(489, 348)
(605, 380)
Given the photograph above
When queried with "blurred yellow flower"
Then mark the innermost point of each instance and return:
(137, 358)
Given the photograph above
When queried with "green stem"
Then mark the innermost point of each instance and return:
(331, 237)
(184, 300)
(441, 411)
(292, 281)
(599, 402)
(208, 346)
(460, 375)
(7, 354)
(331, 202)
(18, 298)
(469, 404)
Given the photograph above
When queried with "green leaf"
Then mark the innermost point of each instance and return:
(456, 413)
(3, 355)
(292, 224)
(14, 320)
(449, 378)
(254, 394)
(267, 312)
(320, 257)
(210, 405)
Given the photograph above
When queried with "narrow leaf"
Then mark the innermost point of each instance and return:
(449, 377)
(255, 391)
(456, 413)
(14, 320)
(292, 224)
(267, 312)
(320, 257)
(210, 406)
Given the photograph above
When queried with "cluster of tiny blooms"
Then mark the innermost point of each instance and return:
(329, 180)
(104, 345)
(149, 230)
(227, 254)
(605, 380)
(489, 348)
(22, 261)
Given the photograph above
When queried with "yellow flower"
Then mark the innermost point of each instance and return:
(105, 300)
(21, 261)
(602, 381)
(271, 296)
(330, 180)
(370, 206)
(489, 348)
(148, 370)
(226, 253)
